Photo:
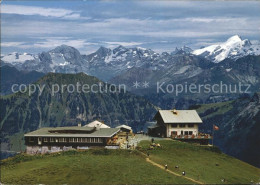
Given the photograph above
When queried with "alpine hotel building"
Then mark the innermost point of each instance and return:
(50, 139)
(172, 123)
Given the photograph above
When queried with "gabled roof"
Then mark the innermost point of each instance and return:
(181, 116)
(73, 132)
(125, 127)
(96, 123)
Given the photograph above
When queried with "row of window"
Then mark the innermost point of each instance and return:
(182, 133)
(66, 140)
(187, 132)
(182, 125)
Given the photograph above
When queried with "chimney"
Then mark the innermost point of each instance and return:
(79, 124)
(98, 127)
(175, 111)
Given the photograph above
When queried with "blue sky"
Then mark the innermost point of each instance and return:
(160, 25)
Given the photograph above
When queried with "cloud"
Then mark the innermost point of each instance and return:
(41, 11)
(132, 23)
(11, 44)
(126, 44)
(49, 43)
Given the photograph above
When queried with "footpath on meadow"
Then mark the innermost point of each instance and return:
(169, 171)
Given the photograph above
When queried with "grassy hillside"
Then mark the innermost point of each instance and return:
(101, 166)
(89, 167)
(202, 163)
(238, 123)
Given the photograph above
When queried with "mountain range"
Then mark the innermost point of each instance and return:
(123, 65)
(107, 63)
(232, 62)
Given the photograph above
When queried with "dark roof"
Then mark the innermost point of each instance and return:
(73, 132)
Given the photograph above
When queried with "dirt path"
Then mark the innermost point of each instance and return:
(176, 174)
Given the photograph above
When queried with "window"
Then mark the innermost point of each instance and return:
(100, 140)
(62, 139)
(45, 139)
(190, 132)
(191, 125)
(97, 140)
(182, 125)
(174, 125)
(52, 139)
(186, 133)
(31, 139)
(70, 140)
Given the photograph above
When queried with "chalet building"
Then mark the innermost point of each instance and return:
(56, 139)
(172, 123)
(180, 125)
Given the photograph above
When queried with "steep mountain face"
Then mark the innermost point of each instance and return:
(238, 123)
(182, 50)
(62, 59)
(233, 48)
(179, 67)
(10, 76)
(119, 60)
(22, 113)
(190, 69)
(108, 63)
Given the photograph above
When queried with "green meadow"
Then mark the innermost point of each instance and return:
(102, 166)
(202, 163)
(88, 167)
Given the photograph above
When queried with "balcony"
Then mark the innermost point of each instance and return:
(184, 137)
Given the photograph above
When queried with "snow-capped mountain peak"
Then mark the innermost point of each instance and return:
(233, 48)
(233, 39)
